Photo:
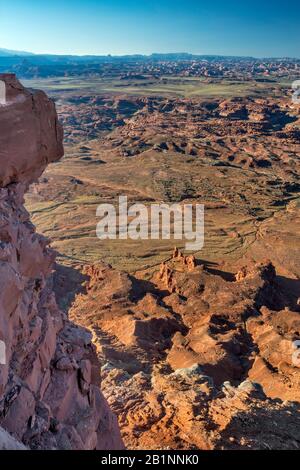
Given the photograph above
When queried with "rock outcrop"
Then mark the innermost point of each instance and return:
(49, 375)
(195, 358)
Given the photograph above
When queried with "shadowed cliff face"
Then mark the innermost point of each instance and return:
(49, 385)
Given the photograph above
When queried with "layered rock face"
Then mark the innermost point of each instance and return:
(49, 375)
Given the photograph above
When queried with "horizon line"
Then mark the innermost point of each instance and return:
(18, 53)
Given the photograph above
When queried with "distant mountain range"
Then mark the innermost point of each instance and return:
(153, 56)
(88, 57)
(8, 52)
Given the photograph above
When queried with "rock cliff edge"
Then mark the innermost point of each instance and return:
(49, 379)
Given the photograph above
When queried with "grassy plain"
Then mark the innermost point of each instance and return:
(165, 86)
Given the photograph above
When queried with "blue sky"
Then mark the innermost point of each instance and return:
(259, 28)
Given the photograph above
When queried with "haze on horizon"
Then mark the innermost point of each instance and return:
(259, 29)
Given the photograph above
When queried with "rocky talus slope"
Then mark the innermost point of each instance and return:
(49, 377)
(194, 357)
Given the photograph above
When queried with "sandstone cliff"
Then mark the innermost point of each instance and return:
(49, 385)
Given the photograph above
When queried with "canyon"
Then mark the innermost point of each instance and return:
(137, 344)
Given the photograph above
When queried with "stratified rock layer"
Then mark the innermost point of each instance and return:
(49, 395)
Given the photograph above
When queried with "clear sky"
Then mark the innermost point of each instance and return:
(228, 27)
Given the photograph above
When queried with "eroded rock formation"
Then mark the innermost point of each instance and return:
(193, 354)
(194, 357)
(49, 384)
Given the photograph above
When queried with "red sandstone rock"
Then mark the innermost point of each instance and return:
(49, 395)
(176, 353)
(31, 136)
